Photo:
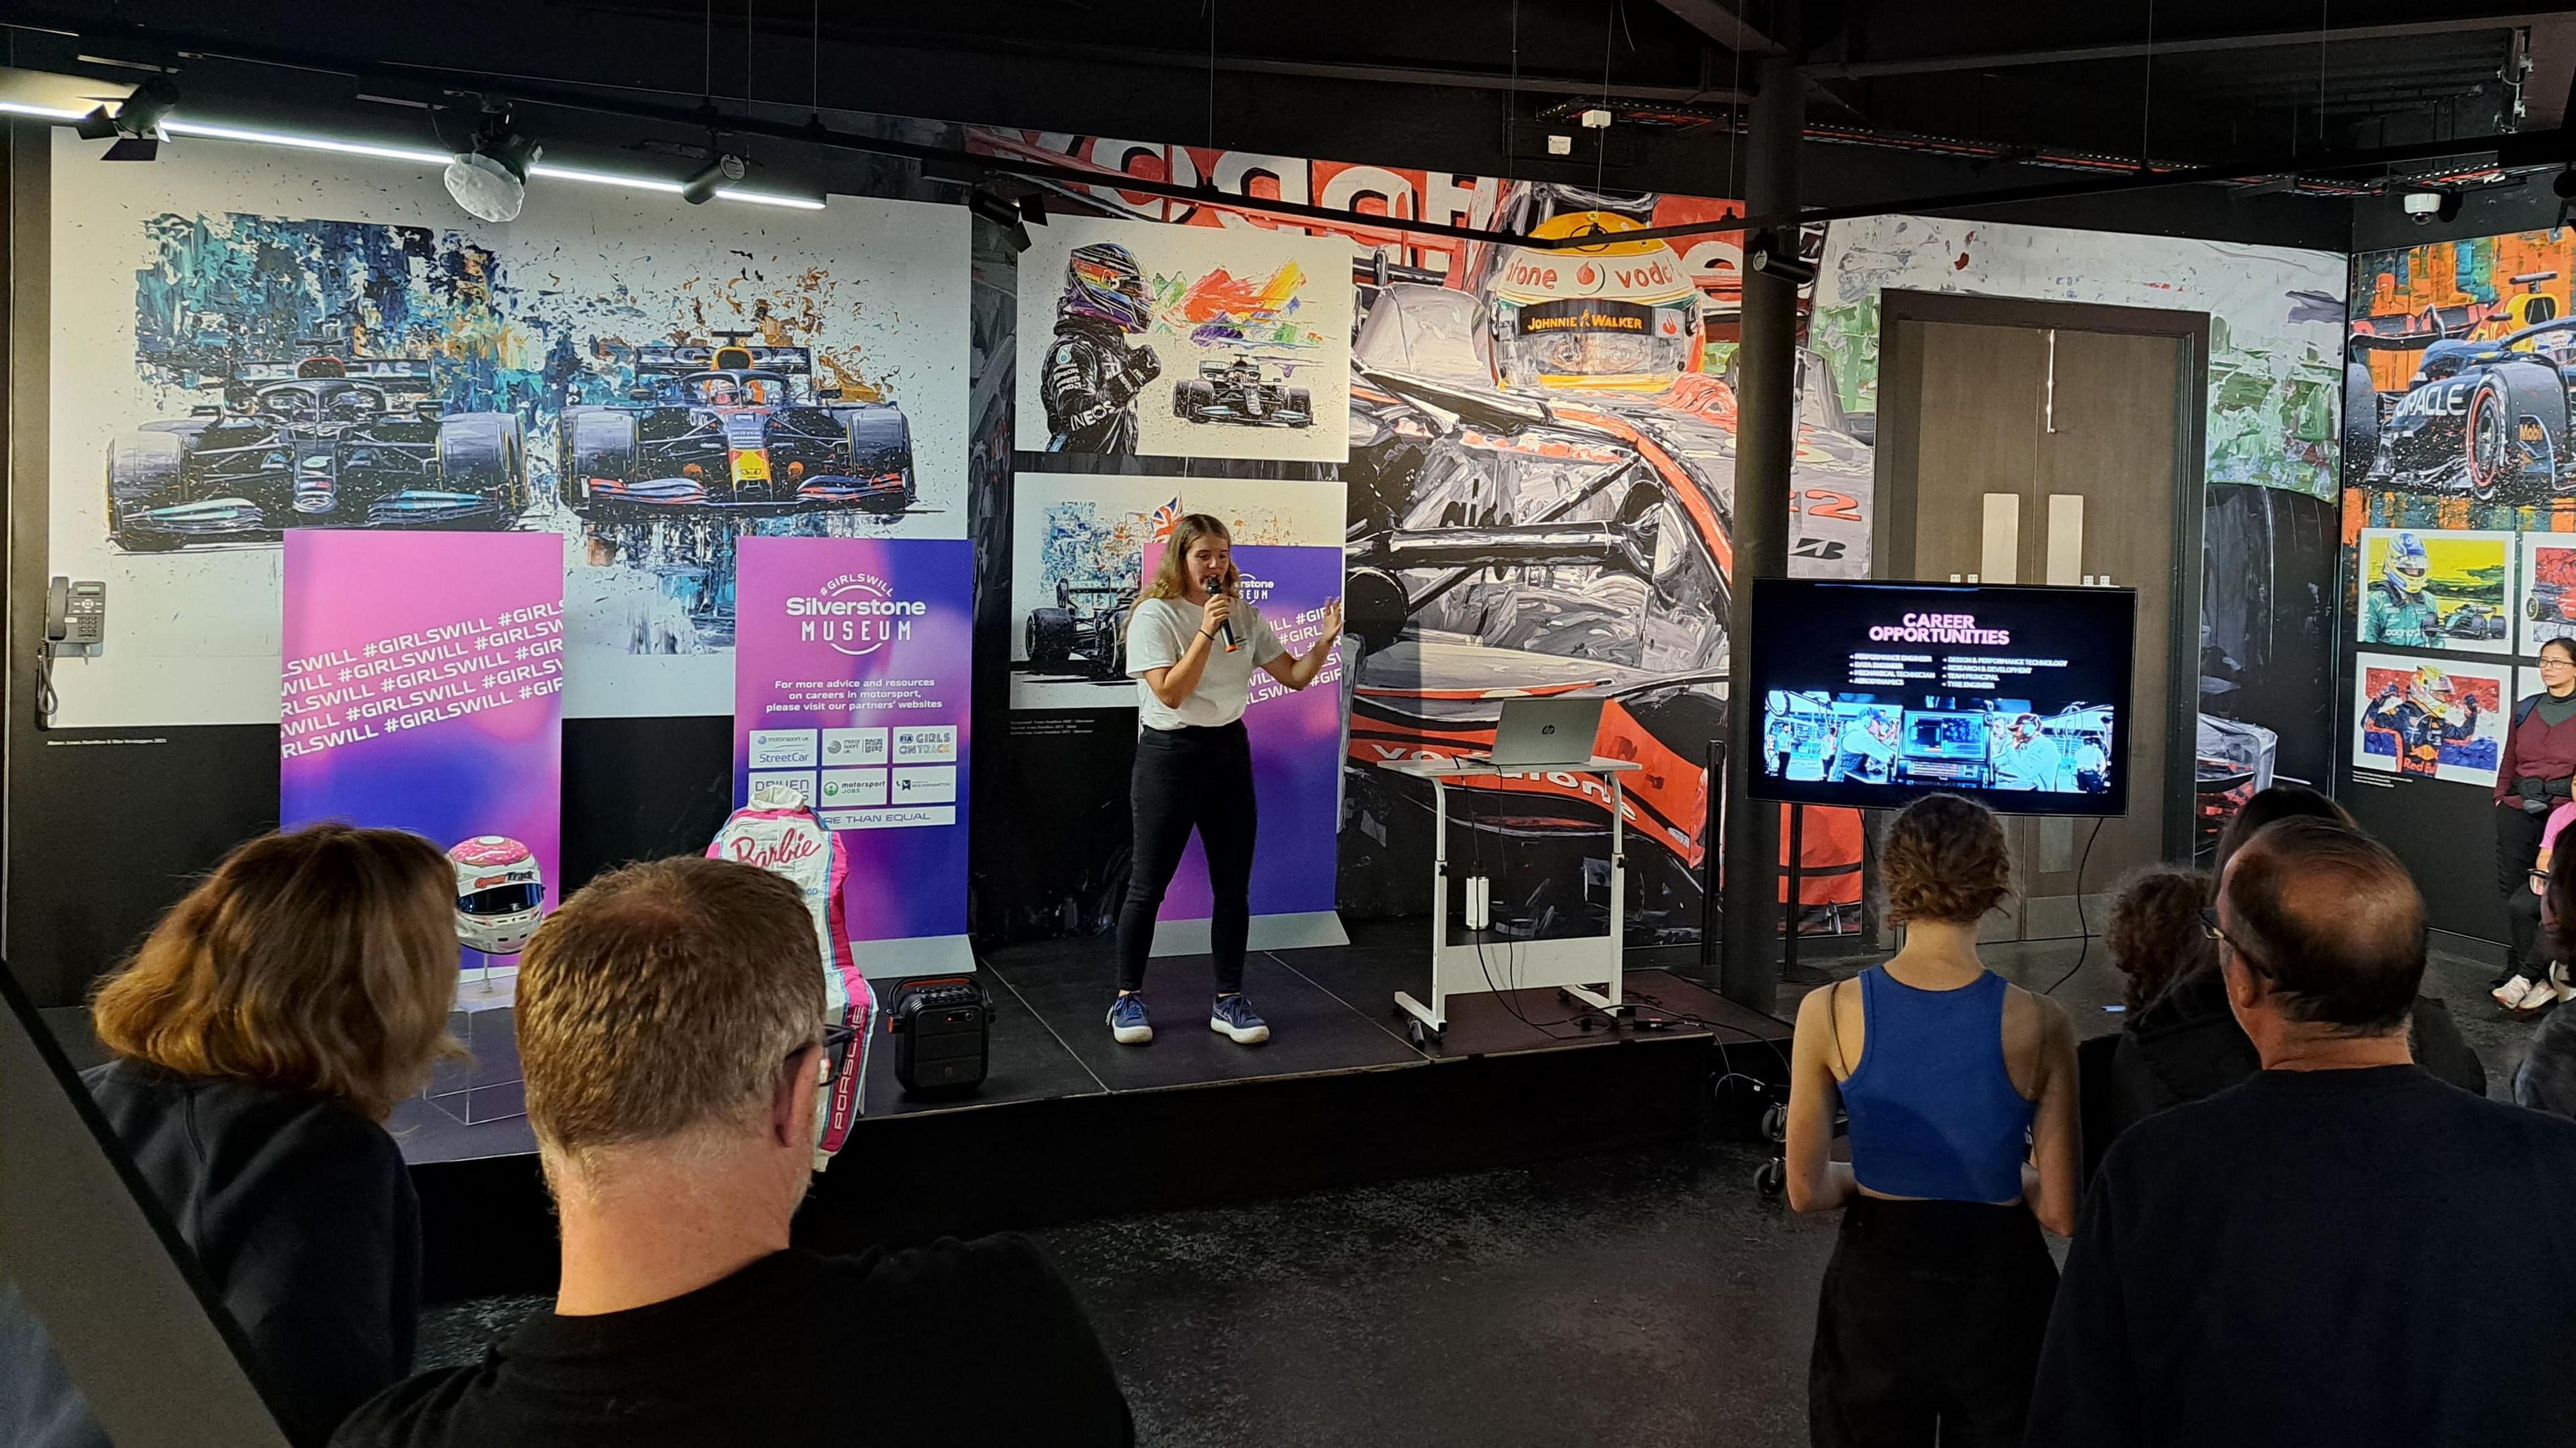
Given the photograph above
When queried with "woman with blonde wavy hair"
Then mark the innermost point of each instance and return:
(261, 1036)
(1191, 647)
(1960, 1090)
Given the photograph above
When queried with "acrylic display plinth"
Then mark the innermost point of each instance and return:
(487, 1087)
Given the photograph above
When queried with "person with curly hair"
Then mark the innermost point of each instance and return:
(2154, 936)
(1960, 1090)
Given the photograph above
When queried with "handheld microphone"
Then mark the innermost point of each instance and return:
(1228, 625)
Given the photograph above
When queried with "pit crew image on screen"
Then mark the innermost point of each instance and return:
(1948, 743)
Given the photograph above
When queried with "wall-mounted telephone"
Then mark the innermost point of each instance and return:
(75, 628)
(75, 618)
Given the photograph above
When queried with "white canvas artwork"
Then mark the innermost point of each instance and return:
(2430, 718)
(262, 339)
(1078, 546)
(1144, 340)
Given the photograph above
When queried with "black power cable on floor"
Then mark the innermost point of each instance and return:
(2080, 922)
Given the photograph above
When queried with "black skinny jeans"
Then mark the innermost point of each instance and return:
(2517, 849)
(1191, 778)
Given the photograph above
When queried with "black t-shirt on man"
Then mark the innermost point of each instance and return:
(2354, 1258)
(961, 1343)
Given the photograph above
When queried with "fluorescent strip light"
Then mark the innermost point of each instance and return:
(206, 130)
(769, 198)
(21, 108)
(209, 132)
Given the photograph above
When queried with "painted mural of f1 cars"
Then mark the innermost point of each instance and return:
(1085, 633)
(2485, 417)
(736, 427)
(1242, 392)
(327, 441)
(1540, 498)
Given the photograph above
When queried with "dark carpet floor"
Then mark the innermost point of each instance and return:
(1640, 1299)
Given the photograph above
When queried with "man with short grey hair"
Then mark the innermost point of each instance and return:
(2310, 1256)
(669, 1021)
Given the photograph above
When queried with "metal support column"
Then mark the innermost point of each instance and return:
(1766, 412)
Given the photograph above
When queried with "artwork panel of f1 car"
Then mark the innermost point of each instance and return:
(324, 440)
(2482, 416)
(737, 427)
(1244, 393)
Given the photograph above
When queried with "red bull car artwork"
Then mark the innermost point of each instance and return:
(734, 427)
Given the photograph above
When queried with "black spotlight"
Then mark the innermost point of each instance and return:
(722, 171)
(1772, 256)
(135, 123)
(1002, 211)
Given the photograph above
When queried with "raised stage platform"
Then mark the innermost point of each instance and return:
(1071, 1124)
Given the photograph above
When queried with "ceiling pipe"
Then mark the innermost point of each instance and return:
(2525, 148)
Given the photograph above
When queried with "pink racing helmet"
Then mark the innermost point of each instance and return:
(500, 894)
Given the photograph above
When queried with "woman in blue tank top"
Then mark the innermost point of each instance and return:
(1960, 1090)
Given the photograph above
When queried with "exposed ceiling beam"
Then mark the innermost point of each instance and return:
(1723, 22)
(2502, 17)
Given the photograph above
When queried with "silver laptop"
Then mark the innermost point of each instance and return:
(1547, 733)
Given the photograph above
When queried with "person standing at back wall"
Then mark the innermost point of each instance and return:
(2532, 780)
(1191, 647)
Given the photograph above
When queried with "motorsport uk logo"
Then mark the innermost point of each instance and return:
(856, 613)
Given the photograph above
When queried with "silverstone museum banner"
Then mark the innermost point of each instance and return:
(853, 694)
(262, 339)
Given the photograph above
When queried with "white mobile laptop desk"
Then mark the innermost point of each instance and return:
(1577, 965)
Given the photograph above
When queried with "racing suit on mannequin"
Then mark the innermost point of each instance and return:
(1090, 385)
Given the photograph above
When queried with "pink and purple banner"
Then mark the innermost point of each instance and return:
(1296, 738)
(853, 679)
(423, 686)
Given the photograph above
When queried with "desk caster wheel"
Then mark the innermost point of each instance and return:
(1775, 1123)
(1771, 1178)
(1418, 1033)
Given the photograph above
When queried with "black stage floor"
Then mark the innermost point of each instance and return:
(1330, 1010)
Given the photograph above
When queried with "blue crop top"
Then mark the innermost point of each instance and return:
(1933, 1109)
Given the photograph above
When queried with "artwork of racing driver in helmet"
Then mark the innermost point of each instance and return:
(1092, 375)
(2426, 713)
(2397, 608)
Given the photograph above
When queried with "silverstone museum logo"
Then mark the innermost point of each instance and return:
(856, 613)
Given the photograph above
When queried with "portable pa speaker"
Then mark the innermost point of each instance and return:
(943, 1034)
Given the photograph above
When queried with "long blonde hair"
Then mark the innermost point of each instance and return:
(1172, 578)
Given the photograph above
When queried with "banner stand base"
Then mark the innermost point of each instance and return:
(1269, 932)
(915, 955)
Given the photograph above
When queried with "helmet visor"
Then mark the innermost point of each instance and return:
(502, 900)
(1602, 339)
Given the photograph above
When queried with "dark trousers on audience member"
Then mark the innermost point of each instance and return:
(1191, 778)
(1929, 1326)
(2517, 850)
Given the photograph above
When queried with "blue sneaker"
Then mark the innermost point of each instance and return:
(1127, 1021)
(1234, 1016)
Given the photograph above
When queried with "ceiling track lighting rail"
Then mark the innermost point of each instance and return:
(2527, 148)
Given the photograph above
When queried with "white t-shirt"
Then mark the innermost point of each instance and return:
(1162, 630)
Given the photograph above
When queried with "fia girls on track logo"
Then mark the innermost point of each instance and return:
(856, 613)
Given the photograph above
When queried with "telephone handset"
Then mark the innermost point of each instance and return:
(75, 617)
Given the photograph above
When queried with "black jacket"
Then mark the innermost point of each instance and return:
(1089, 386)
(2187, 1045)
(302, 1215)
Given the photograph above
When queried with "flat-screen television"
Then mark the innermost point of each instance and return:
(1873, 694)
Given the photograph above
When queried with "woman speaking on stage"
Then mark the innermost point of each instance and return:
(1191, 647)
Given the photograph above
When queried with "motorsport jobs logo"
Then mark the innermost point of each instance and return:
(856, 613)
